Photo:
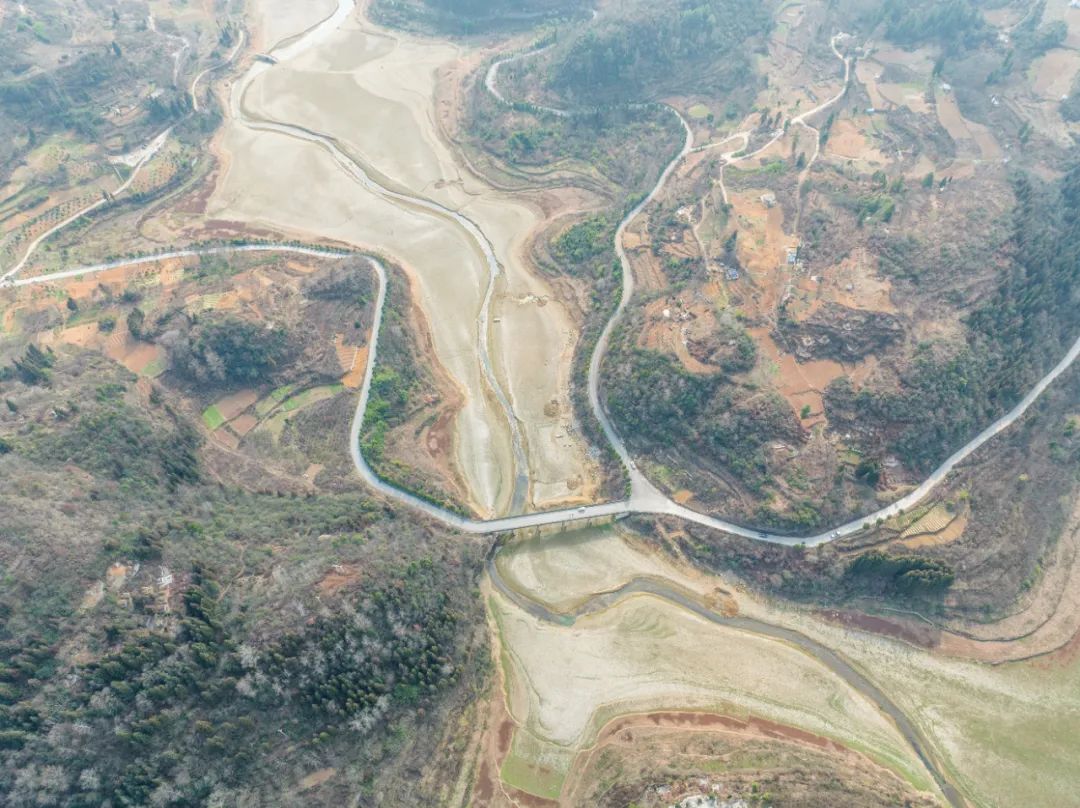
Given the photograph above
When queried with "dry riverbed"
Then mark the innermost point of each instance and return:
(356, 86)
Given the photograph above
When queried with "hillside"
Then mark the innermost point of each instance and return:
(850, 283)
(179, 629)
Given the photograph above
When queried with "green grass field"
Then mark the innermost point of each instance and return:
(213, 418)
(154, 369)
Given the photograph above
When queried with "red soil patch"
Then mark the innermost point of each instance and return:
(845, 140)
(505, 736)
(300, 267)
(225, 437)
(139, 356)
(317, 778)
(339, 576)
(716, 721)
(354, 373)
(243, 424)
(495, 746)
(82, 335)
(800, 383)
(1064, 657)
(232, 405)
(484, 788)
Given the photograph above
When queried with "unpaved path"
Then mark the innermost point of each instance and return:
(227, 60)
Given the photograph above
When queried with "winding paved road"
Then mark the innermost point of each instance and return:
(645, 498)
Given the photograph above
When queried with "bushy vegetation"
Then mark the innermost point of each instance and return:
(391, 649)
(619, 143)
(215, 670)
(899, 574)
(115, 441)
(38, 101)
(1032, 38)
(1029, 40)
(1070, 107)
(171, 718)
(581, 244)
(33, 368)
(660, 407)
(910, 23)
(221, 350)
(399, 385)
(653, 399)
(351, 283)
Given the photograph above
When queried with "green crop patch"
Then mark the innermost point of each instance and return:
(213, 418)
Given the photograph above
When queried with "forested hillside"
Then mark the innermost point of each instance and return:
(642, 48)
(475, 16)
(167, 640)
(914, 22)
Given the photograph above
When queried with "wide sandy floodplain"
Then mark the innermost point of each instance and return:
(278, 20)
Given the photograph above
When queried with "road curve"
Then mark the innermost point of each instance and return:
(366, 177)
(195, 81)
(147, 152)
(643, 501)
(645, 498)
(822, 653)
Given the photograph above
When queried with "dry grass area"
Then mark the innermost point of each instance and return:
(661, 759)
(987, 723)
(848, 141)
(1054, 73)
